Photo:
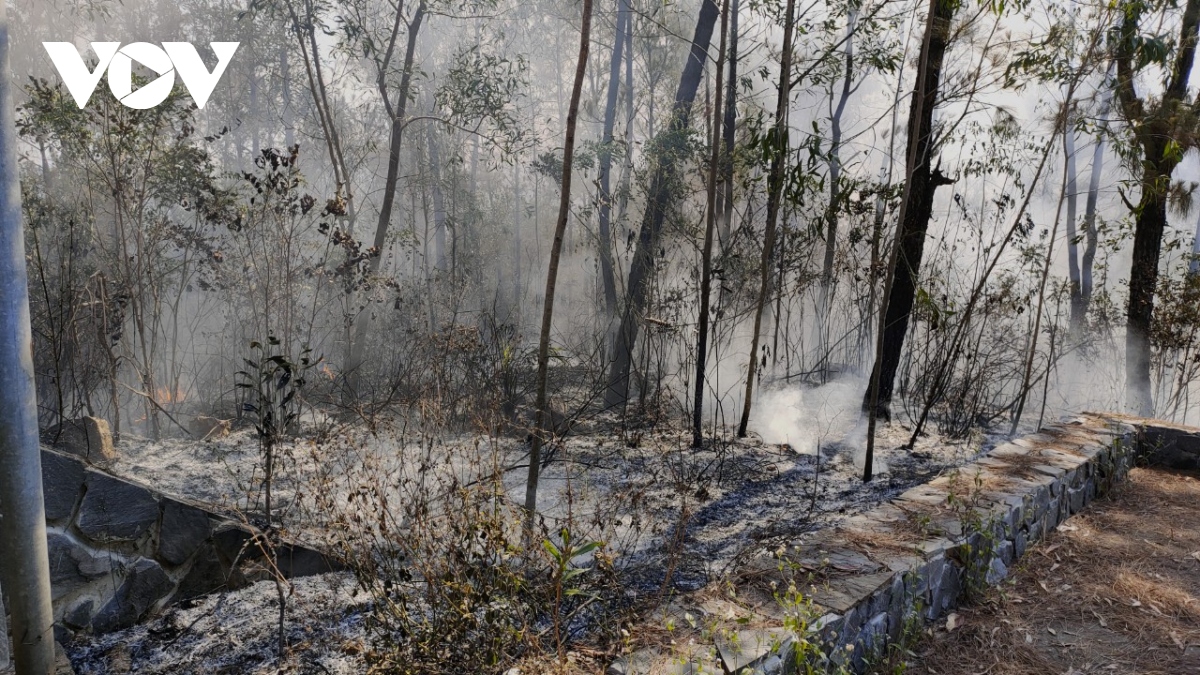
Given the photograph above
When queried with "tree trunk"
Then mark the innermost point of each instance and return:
(1163, 142)
(606, 144)
(923, 181)
(669, 149)
(831, 213)
(514, 311)
(1091, 236)
(779, 139)
(627, 167)
(1072, 190)
(439, 201)
(706, 252)
(729, 131)
(1194, 264)
(1143, 278)
(560, 228)
(362, 320)
(24, 566)
(1065, 193)
(285, 76)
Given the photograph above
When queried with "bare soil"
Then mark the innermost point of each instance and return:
(1115, 589)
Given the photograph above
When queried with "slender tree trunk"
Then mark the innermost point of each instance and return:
(398, 122)
(439, 200)
(922, 181)
(24, 566)
(1066, 192)
(729, 132)
(1072, 198)
(779, 152)
(514, 312)
(668, 152)
(1194, 264)
(915, 211)
(1091, 236)
(285, 76)
(606, 144)
(255, 148)
(707, 249)
(560, 228)
(835, 172)
(627, 167)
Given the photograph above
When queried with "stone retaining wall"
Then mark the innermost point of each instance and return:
(877, 575)
(120, 551)
(1168, 445)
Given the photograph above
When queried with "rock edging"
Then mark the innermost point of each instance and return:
(121, 551)
(838, 598)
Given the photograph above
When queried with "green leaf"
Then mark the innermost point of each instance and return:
(586, 548)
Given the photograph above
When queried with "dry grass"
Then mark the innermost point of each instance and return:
(1114, 590)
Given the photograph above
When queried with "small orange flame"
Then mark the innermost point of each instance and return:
(165, 395)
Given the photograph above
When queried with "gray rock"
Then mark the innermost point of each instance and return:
(235, 545)
(772, 665)
(80, 615)
(207, 575)
(298, 561)
(184, 529)
(115, 510)
(637, 663)
(1052, 515)
(996, 571)
(62, 663)
(62, 483)
(1036, 531)
(100, 440)
(1005, 551)
(945, 594)
(72, 565)
(1077, 497)
(749, 648)
(871, 641)
(145, 584)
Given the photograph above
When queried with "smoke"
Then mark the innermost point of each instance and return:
(856, 441)
(806, 417)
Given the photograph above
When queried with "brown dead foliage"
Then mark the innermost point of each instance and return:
(1114, 590)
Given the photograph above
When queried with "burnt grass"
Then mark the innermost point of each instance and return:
(710, 509)
(747, 504)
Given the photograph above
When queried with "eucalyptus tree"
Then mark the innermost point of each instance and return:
(1090, 233)
(921, 181)
(542, 420)
(667, 151)
(1164, 126)
(605, 198)
(834, 178)
(775, 145)
(706, 253)
(865, 47)
(382, 51)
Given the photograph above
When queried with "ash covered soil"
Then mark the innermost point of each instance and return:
(732, 499)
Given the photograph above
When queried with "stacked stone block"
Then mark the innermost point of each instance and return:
(120, 551)
(913, 559)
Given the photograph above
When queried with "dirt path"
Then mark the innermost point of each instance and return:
(1114, 590)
